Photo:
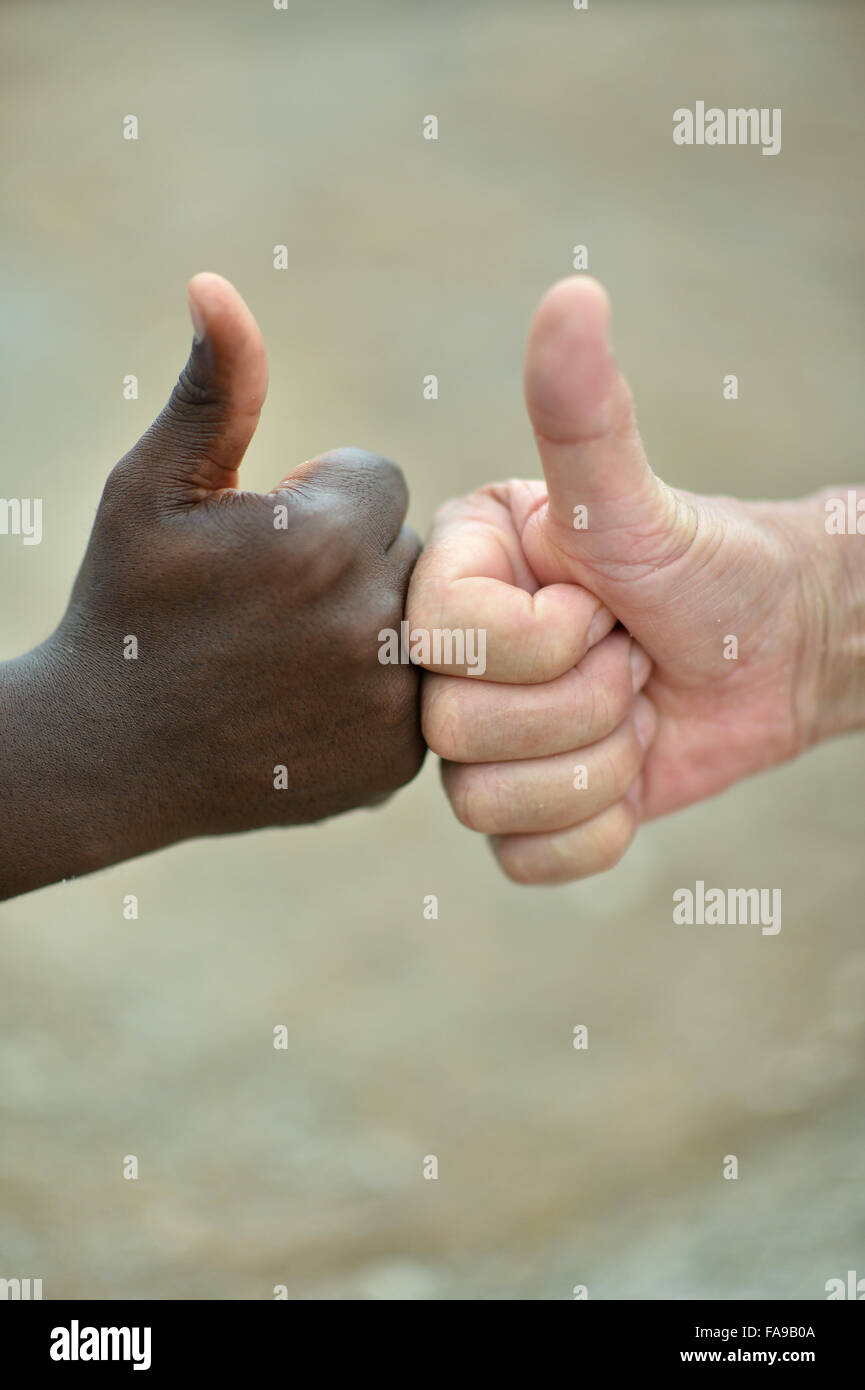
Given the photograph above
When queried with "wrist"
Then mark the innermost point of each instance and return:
(833, 564)
(59, 816)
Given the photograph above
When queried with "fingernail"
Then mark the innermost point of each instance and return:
(197, 320)
(641, 665)
(602, 623)
(645, 720)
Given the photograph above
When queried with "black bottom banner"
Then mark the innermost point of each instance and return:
(218, 1339)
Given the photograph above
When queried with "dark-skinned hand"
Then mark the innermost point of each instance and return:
(255, 618)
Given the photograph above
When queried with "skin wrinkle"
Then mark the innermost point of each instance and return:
(632, 571)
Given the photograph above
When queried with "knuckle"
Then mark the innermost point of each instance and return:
(326, 517)
(384, 473)
(370, 474)
(320, 547)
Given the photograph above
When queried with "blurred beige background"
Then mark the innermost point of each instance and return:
(409, 1037)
